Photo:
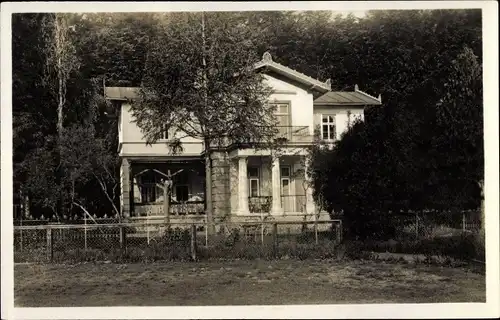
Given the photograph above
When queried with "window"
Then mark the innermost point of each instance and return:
(253, 172)
(253, 175)
(285, 180)
(282, 113)
(285, 172)
(182, 193)
(328, 127)
(181, 186)
(148, 188)
(181, 177)
(164, 133)
(254, 187)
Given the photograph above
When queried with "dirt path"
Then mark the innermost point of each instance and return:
(241, 283)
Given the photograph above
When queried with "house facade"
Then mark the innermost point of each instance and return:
(246, 183)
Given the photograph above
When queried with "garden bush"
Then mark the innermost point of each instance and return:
(463, 246)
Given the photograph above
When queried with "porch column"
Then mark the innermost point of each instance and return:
(276, 186)
(125, 188)
(310, 205)
(242, 187)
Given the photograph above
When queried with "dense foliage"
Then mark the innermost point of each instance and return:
(422, 150)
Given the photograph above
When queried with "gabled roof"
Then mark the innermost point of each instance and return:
(267, 62)
(329, 98)
(348, 98)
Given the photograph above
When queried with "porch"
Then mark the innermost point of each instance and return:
(262, 185)
(185, 182)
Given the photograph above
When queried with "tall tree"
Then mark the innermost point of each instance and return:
(31, 107)
(407, 143)
(460, 124)
(49, 93)
(200, 82)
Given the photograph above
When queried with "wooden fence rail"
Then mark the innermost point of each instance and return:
(124, 233)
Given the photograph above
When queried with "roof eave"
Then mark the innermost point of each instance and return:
(294, 75)
(379, 98)
(339, 104)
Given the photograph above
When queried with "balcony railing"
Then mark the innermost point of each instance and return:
(259, 204)
(295, 133)
(291, 134)
(289, 203)
(176, 208)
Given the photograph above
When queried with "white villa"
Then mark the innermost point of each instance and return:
(245, 182)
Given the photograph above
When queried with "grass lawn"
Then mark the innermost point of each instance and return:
(242, 283)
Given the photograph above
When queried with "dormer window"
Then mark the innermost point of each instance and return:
(328, 127)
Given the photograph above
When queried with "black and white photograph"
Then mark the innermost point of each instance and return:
(247, 155)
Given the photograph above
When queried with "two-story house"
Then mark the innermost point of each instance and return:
(245, 182)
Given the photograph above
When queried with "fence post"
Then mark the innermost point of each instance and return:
(416, 225)
(193, 242)
(123, 239)
(262, 229)
(21, 233)
(316, 228)
(85, 232)
(463, 222)
(206, 231)
(275, 239)
(50, 250)
(338, 232)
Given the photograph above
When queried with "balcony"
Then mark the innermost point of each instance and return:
(259, 204)
(292, 135)
(295, 134)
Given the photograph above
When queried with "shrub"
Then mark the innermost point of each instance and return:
(463, 247)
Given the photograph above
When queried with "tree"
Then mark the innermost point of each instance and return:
(409, 155)
(50, 98)
(30, 106)
(88, 159)
(200, 82)
(460, 122)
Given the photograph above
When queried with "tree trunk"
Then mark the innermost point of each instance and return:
(481, 185)
(208, 190)
(208, 159)
(166, 202)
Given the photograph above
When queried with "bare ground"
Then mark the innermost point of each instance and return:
(242, 283)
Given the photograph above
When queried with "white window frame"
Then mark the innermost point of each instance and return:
(286, 177)
(164, 133)
(328, 123)
(286, 130)
(253, 178)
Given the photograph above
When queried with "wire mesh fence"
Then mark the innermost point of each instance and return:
(136, 242)
(157, 241)
(425, 225)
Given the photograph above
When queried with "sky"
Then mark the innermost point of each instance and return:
(358, 14)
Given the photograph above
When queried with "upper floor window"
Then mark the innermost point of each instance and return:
(328, 127)
(164, 133)
(282, 112)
